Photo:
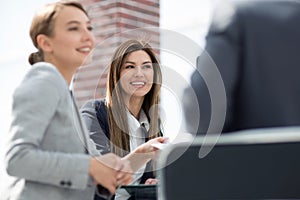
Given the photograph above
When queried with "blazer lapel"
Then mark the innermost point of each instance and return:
(79, 126)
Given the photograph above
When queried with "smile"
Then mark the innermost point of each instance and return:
(84, 50)
(138, 83)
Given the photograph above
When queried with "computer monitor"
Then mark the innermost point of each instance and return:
(260, 164)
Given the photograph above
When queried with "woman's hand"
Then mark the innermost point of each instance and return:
(143, 153)
(147, 149)
(151, 181)
(124, 174)
(110, 171)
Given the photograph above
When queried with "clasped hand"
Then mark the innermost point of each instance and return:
(110, 171)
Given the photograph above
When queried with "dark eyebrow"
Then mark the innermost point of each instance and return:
(146, 62)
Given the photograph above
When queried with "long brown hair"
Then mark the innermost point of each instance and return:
(116, 108)
(43, 23)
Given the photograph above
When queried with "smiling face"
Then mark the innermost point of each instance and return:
(72, 40)
(136, 75)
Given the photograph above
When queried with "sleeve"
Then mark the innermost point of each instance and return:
(34, 105)
(215, 80)
(97, 134)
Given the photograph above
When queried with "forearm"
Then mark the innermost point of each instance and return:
(54, 168)
(138, 159)
(144, 153)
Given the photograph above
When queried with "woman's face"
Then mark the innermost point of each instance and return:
(136, 76)
(72, 40)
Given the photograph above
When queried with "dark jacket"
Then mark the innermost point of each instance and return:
(255, 47)
(94, 114)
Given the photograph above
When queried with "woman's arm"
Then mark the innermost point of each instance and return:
(37, 149)
(110, 171)
(143, 153)
(97, 134)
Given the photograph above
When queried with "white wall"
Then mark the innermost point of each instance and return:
(189, 22)
(15, 48)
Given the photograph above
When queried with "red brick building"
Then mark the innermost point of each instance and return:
(114, 21)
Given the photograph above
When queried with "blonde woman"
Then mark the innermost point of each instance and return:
(49, 154)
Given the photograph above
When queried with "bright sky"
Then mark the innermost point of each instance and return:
(189, 17)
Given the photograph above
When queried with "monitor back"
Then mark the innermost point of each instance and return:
(233, 169)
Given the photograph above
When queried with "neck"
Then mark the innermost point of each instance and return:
(66, 71)
(67, 74)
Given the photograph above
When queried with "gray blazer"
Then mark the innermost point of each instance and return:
(47, 153)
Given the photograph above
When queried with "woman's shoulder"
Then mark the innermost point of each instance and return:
(94, 104)
(43, 71)
(97, 109)
(43, 67)
(100, 107)
(43, 77)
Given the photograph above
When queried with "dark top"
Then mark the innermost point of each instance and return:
(255, 47)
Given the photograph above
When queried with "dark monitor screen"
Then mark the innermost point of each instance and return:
(235, 171)
(141, 191)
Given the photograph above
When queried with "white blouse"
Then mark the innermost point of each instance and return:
(137, 137)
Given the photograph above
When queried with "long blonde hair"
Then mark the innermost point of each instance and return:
(116, 108)
(43, 23)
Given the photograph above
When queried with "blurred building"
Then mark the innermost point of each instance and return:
(114, 21)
